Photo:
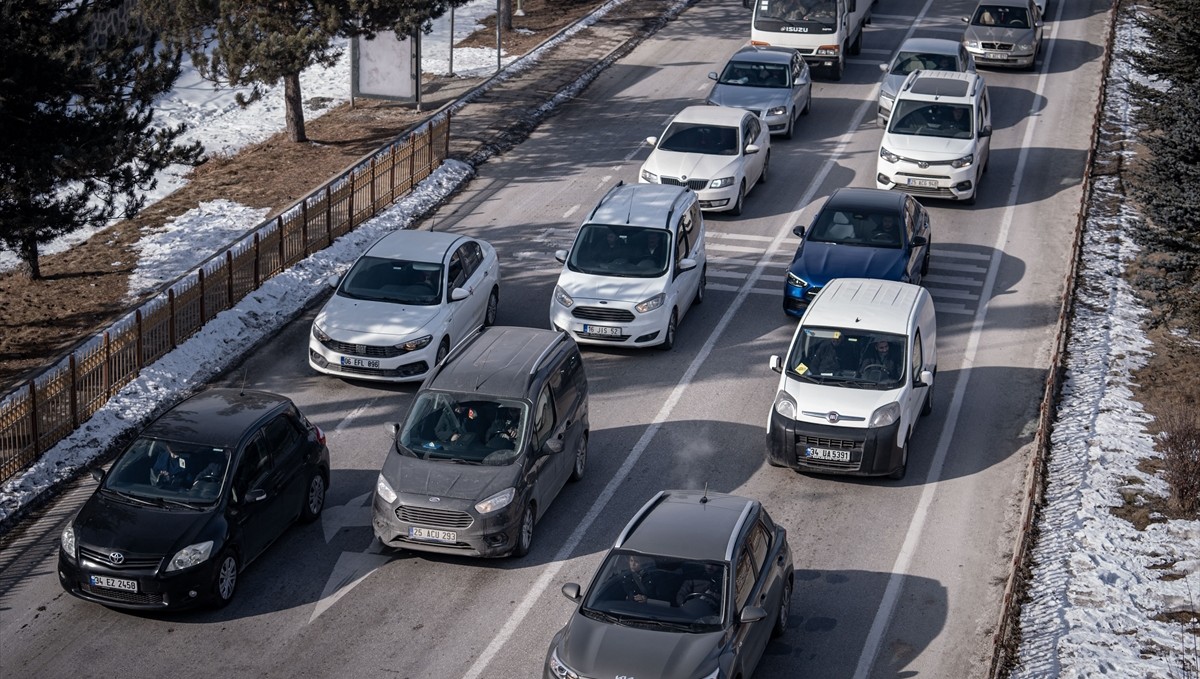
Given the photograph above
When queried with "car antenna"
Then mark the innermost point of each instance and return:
(704, 498)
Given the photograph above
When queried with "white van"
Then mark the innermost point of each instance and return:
(636, 267)
(859, 372)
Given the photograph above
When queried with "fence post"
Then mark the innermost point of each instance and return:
(33, 419)
(171, 316)
(328, 216)
(392, 174)
(74, 385)
(350, 210)
(106, 372)
(282, 244)
(374, 205)
(304, 225)
(141, 361)
(446, 136)
(203, 316)
(257, 263)
(412, 161)
(229, 278)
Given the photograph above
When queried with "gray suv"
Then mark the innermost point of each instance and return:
(695, 586)
(495, 432)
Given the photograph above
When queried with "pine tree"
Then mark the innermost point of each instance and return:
(258, 44)
(75, 106)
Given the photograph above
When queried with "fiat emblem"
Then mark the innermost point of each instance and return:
(116, 558)
(435, 499)
(833, 417)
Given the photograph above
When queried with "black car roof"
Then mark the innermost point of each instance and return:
(866, 199)
(499, 361)
(679, 524)
(216, 417)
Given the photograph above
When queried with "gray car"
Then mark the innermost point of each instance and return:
(695, 587)
(1005, 33)
(928, 54)
(773, 82)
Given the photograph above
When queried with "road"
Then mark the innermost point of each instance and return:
(894, 578)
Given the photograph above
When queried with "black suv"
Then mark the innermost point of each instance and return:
(198, 495)
(495, 432)
(695, 586)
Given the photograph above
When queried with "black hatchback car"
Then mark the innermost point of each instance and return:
(201, 492)
(695, 587)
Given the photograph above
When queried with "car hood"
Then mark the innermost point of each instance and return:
(109, 524)
(352, 320)
(697, 165)
(581, 286)
(818, 263)
(999, 34)
(598, 649)
(923, 147)
(855, 406)
(442, 478)
(891, 84)
(754, 99)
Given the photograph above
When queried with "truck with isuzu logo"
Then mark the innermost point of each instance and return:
(822, 31)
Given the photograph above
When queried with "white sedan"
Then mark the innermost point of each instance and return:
(718, 152)
(404, 304)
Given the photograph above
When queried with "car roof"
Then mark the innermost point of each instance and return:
(711, 115)
(648, 205)
(867, 303)
(873, 200)
(415, 245)
(934, 85)
(931, 46)
(688, 524)
(764, 55)
(497, 361)
(1003, 3)
(215, 417)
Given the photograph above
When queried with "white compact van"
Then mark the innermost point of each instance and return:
(857, 376)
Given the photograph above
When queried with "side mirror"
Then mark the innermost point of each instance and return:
(985, 131)
(333, 280)
(256, 495)
(98, 473)
(554, 446)
(459, 294)
(798, 230)
(752, 614)
(966, 20)
(776, 363)
(653, 141)
(561, 256)
(571, 591)
(712, 75)
(394, 430)
(924, 379)
(751, 149)
(883, 67)
(918, 241)
(686, 264)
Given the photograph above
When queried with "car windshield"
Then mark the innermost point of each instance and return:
(852, 357)
(853, 227)
(751, 74)
(399, 281)
(464, 428)
(926, 119)
(822, 13)
(717, 140)
(158, 469)
(642, 590)
(907, 62)
(1000, 15)
(626, 251)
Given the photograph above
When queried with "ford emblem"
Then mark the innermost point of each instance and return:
(833, 417)
(116, 558)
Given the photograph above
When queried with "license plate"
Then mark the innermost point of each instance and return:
(113, 583)
(827, 454)
(924, 183)
(359, 362)
(432, 534)
(995, 55)
(605, 330)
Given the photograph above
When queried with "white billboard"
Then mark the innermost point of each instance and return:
(386, 67)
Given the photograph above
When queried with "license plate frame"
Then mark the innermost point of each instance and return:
(996, 56)
(827, 454)
(120, 584)
(432, 535)
(602, 330)
(922, 183)
(356, 362)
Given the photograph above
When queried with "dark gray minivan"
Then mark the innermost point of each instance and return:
(495, 432)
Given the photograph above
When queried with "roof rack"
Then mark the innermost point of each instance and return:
(737, 530)
(562, 336)
(637, 518)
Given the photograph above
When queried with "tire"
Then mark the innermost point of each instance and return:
(314, 498)
(580, 459)
(787, 134)
(925, 261)
(672, 325)
(807, 102)
(493, 305)
(903, 468)
(525, 532)
(699, 298)
(225, 582)
(443, 350)
(839, 70)
(856, 46)
(785, 605)
(927, 406)
(741, 201)
(762, 178)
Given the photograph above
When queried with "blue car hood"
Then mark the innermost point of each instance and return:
(819, 263)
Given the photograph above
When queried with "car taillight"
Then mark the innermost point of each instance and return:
(320, 434)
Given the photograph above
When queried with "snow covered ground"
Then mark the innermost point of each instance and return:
(1098, 583)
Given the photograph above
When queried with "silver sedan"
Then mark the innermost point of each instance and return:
(773, 82)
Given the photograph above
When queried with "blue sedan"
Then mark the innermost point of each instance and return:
(859, 233)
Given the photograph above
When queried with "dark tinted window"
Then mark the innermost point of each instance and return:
(457, 272)
(253, 467)
(543, 417)
(745, 579)
(760, 542)
(282, 437)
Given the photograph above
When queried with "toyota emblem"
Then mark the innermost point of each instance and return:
(922, 164)
(833, 417)
(116, 558)
(435, 499)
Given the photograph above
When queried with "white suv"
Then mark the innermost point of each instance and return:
(938, 137)
(636, 267)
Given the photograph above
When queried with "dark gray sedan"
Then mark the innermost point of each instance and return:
(773, 82)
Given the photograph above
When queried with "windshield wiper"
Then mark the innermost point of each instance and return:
(668, 624)
(178, 503)
(132, 498)
(603, 616)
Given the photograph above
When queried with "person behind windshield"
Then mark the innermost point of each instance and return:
(456, 424)
(169, 469)
(643, 580)
(612, 249)
(887, 231)
(832, 356)
(705, 589)
(502, 433)
(880, 362)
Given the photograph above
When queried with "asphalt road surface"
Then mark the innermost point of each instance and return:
(894, 578)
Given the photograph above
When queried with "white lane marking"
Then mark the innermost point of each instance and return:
(959, 254)
(721, 247)
(629, 156)
(351, 568)
(604, 181)
(736, 236)
(941, 293)
(517, 616)
(568, 213)
(720, 287)
(891, 594)
(354, 513)
(953, 309)
(352, 416)
(952, 280)
(964, 268)
(714, 273)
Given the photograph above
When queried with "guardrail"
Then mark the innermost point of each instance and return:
(42, 411)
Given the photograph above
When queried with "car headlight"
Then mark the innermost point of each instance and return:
(648, 176)
(885, 415)
(192, 555)
(785, 405)
(385, 490)
(797, 281)
(827, 51)
(886, 99)
(721, 183)
(67, 542)
(652, 303)
(1025, 46)
(777, 111)
(496, 502)
(962, 162)
(559, 668)
(320, 334)
(562, 297)
(413, 345)
(971, 44)
(888, 155)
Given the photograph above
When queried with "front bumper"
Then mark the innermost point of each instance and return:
(872, 452)
(796, 298)
(490, 535)
(934, 181)
(1005, 58)
(183, 589)
(642, 330)
(371, 363)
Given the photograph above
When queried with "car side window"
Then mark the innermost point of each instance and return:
(543, 420)
(753, 128)
(252, 468)
(472, 257)
(745, 579)
(457, 271)
(281, 437)
(760, 543)
(918, 354)
(912, 219)
(683, 246)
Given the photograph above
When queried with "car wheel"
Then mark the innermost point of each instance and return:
(525, 532)
(314, 499)
(443, 349)
(787, 134)
(580, 458)
(925, 262)
(741, 198)
(489, 316)
(899, 472)
(927, 406)
(225, 584)
(700, 288)
(856, 46)
(838, 70)
(785, 605)
(669, 339)
(807, 102)
(762, 177)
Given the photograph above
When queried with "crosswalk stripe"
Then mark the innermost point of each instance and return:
(939, 293)
(721, 287)
(963, 268)
(953, 309)
(959, 254)
(954, 280)
(733, 248)
(738, 236)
